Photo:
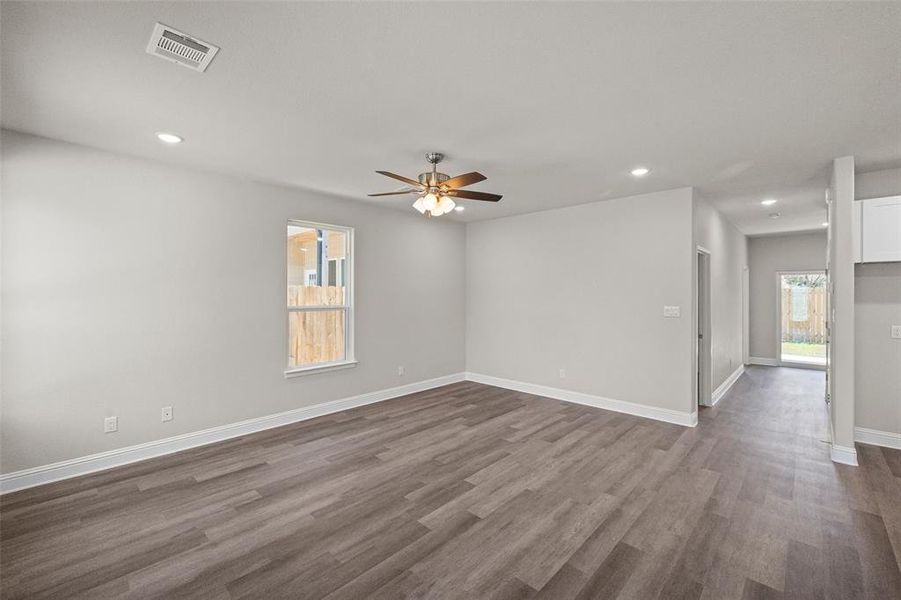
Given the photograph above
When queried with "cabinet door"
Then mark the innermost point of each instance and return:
(881, 234)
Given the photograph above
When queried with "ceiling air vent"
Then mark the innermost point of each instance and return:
(180, 48)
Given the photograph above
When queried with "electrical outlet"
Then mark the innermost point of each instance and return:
(110, 424)
(167, 413)
(672, 312)
(896, 332)
(400, 371)
(562, 373)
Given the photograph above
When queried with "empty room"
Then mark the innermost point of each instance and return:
(450, 300)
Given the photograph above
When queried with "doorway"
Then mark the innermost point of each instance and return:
(703, 357)
(802, 318)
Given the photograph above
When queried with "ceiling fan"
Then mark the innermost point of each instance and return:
(437, 190)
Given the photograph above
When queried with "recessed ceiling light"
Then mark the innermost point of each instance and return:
(459, 208)
(640, 171)
(826, 224)
(775, 215)
(768, 201)
(169, 138)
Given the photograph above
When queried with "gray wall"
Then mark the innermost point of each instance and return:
(728, 258)
(877, 306)
(768, 255)
(129, 285)
(877, 184)
(583, 289)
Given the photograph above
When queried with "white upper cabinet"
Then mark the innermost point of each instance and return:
(880, 229)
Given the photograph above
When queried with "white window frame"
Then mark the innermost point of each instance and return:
(347, 307)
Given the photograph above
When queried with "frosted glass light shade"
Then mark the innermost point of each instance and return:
(430, 201)
(445, 205)
(434, 204)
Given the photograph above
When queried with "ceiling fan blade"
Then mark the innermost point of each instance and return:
(471, 195)
(464, 180)
(406, 180)
(395, 193)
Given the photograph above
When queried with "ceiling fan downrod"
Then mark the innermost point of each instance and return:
(434, 178)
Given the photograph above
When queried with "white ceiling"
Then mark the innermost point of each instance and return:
(555, 103)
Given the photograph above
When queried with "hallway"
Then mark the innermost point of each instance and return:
(825, 530)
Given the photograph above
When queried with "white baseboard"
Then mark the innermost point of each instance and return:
(887, 439)
(774, 362)
(764, 362)
(640, 410)
(67, 469)
(26, 478)
(724, 387)
(844, 455)
(798, 365)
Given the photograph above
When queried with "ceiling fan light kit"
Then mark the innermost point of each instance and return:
(436, 190)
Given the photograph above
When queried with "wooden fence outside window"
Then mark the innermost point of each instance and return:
(812, 328)
(315, 336)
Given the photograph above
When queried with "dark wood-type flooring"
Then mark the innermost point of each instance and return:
(470, 491)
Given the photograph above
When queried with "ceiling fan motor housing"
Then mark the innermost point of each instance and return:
(431, 179)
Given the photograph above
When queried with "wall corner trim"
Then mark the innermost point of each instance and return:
(26, 478)
(844, 455)
(874, 437)
(724, 387)
(666, 415)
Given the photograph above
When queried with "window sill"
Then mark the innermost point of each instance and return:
(335, 366)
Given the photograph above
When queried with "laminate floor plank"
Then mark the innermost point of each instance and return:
(471, 491)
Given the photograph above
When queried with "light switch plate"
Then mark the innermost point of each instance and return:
(896, 332)
(672, 312)
(110, 424)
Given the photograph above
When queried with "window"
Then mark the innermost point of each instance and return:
(320, 298)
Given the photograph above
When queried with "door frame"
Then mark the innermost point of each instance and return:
(746, 315)
(703, 371)
(779, 361)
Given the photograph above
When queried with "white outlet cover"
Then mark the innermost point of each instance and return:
(672, 312)
(110, 424)
(167, 413)
(896, 332)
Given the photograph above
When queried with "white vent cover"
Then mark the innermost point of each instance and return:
(180, 48)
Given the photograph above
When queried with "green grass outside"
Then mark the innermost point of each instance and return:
(799, 349)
